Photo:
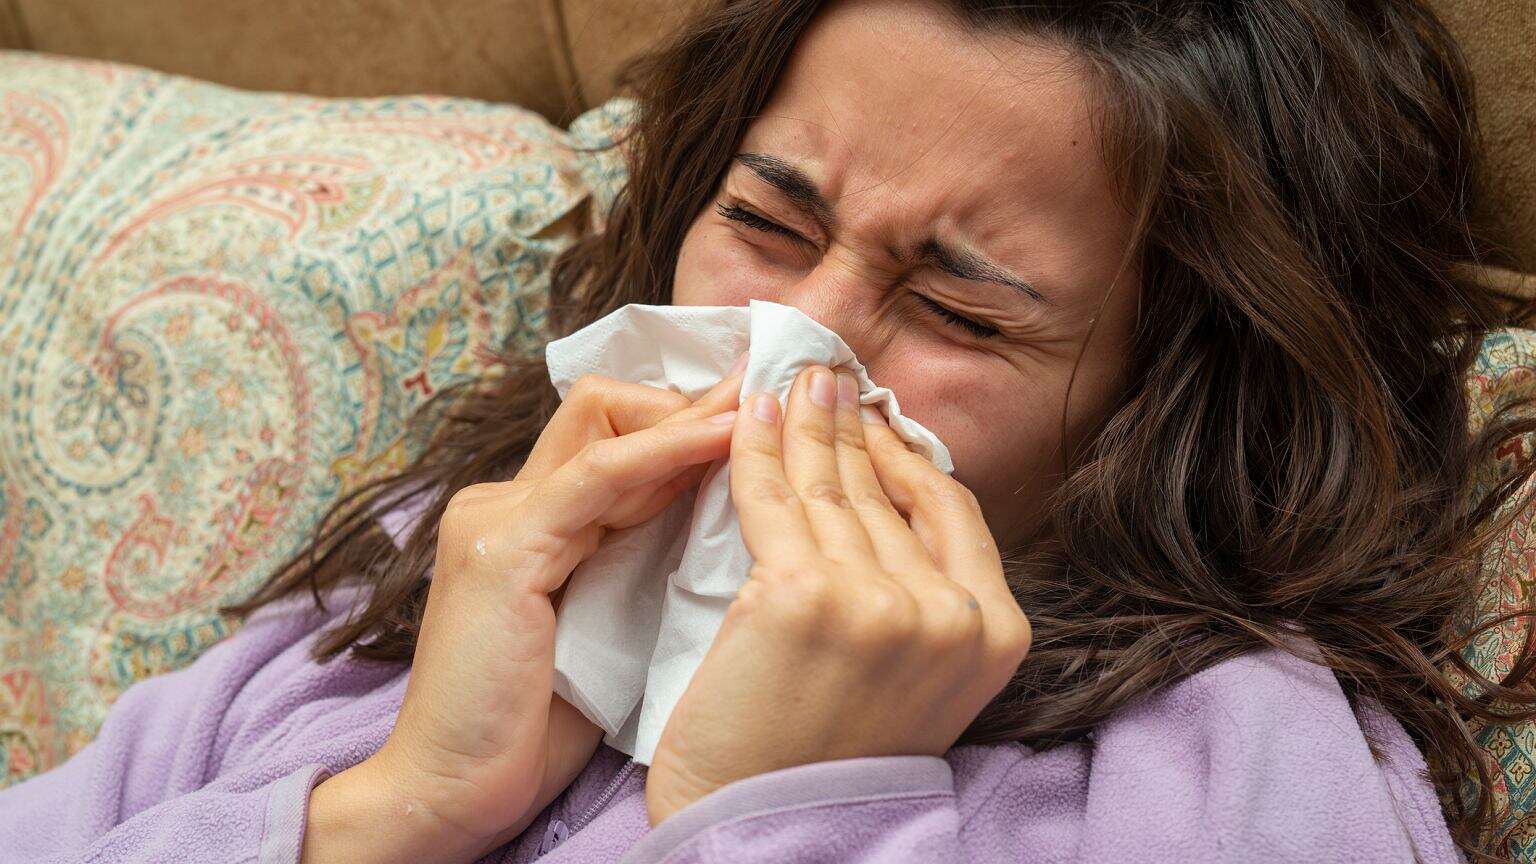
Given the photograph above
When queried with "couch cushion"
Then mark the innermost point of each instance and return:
(217, 310)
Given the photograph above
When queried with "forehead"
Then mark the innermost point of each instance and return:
(901, 116)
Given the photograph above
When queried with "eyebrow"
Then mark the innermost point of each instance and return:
(965, 264)
(802, 191)
(796, 185)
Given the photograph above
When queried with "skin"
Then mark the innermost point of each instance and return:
(912, 127)
(877, 598)
(860, 634)
(876, 620)
(481, 744)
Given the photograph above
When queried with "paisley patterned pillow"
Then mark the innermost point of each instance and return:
(217, 309)
(1505, 372)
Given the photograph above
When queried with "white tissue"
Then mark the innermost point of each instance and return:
(639, 615)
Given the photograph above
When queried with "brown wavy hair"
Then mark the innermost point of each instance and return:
(1294, 451)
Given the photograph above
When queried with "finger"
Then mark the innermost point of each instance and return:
(578, 492)
(630, 511)
(774, 525)
(597, 407)
(627, 407)
(810, 464)
(898, 550)
(683, 478)
(943, 513)
(724, 396)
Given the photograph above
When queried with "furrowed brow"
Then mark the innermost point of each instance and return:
(965, 264)
(801, 190)
(796, 185)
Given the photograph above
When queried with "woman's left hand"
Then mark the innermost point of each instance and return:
(876, 621)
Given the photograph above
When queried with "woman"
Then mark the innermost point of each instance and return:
(1179, 285)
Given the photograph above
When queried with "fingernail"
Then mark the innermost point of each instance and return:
(766, 408)
(871, 414)
(723, 419)
(740, 364)
(823, 388)
(847, 389)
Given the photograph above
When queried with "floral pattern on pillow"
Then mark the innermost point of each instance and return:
(217, 310)
(1506, 371)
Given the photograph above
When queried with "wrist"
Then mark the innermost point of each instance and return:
(365, 814)
(667, 792)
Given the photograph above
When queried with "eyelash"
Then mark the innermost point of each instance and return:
(768, 226)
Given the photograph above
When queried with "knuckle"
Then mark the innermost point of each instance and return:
(798, 598)
(465, 496)
(887, 617)
(824, 492)
(758, 448)
(996, 678)
(672, 401)
(462, 513)
(771, 492)
(452, 527)
(904, 458)
(540, 545)
(953, 620)
(598, 458)
(950, 493)
(749, 600)
(1020, 634)
(587, 387)
(1010, 640)
(870, 498)
(818, 434)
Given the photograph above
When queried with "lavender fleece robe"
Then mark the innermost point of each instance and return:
(1256, 759)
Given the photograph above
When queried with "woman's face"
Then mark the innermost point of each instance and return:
(903, 162)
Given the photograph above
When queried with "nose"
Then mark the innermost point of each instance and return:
(845, 303)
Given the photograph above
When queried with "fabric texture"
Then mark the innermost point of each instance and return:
(217, 310)
(1505, 371)
(1496, 37)
(1256, 759)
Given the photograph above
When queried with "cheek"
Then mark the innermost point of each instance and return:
(715, 268)
(1002, 427)
(999, 426)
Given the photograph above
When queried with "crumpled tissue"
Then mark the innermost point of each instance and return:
(639, 615)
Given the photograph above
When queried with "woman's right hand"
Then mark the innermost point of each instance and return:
(481, 744)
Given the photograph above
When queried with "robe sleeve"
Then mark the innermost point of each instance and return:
(186, 766)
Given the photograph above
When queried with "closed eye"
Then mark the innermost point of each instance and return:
(748, 218)
(752, 220)
(975, 328)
